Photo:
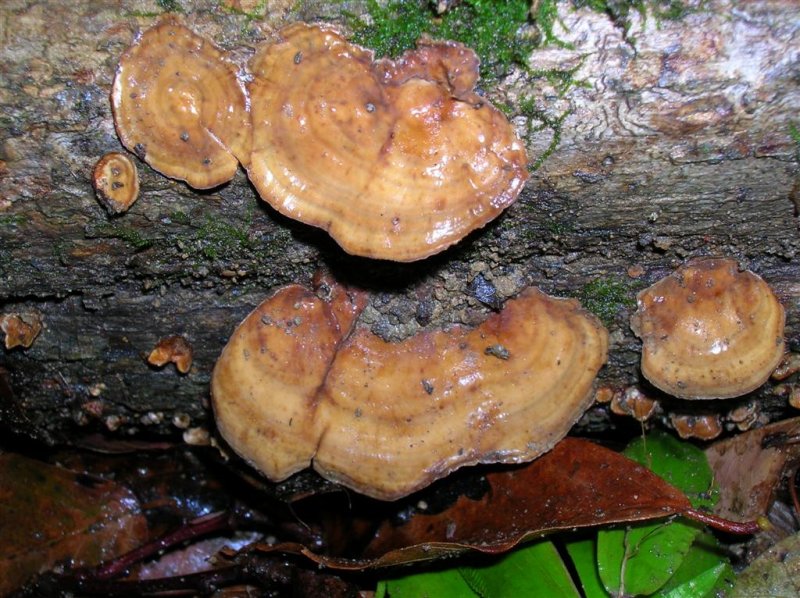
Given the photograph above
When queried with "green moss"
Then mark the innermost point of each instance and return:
(559, 227)
(490, 27)
(258, 12)
(545, 16)
(794, 133)
(125, 233)
(13, 220)
(604, 297)
(169, 5)
(179, 217)
(529, 108)
(220, 239)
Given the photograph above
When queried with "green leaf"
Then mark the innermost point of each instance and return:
(532, 570)
(445, 583)
(700, 586)
(705, 554)
(584, 557)
(640, 559)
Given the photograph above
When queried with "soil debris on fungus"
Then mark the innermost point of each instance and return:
(116, 182)
(179, 105)
(326, 392)
(396, 159)
(709, 330)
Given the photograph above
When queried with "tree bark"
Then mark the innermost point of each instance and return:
(673, 139)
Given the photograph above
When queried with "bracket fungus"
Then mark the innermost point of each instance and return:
(709, 330)
(21, 329)
(172, 349)
(179, 105)
(116, 182)
(299, 384)
(395, 159)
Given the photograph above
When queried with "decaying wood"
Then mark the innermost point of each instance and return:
(675, 142)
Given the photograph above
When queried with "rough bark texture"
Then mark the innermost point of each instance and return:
(675, 141)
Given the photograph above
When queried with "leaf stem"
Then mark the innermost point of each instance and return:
(722, 524)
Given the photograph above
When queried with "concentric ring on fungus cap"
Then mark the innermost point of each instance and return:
(709, 330)
(395, 159)
(179, 105)
(297, 384)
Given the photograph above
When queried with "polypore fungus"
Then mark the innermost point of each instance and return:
(702, 426)
(179, 105)
(297, 383)
(21, 329)
(395, 159)
(116, 182)
(172, 349)
(709, 331)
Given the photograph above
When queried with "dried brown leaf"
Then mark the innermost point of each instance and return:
(577, 484)
(50, 515)
(748, 472)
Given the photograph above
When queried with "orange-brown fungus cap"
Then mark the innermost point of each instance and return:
(116, 182)
(21, 329)
(396, 160)
(297, 384)
(172, 349)
(709, 331)
(179, 105)
(703, 427)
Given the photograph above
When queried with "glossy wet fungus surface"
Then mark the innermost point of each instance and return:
(116, 182)
(397, 160)
(180, 106)
(298, 385)
(709, 330)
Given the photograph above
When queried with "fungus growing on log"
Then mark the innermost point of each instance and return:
(21, 329)
(179, 105)
(299, 384)
(395, 159)
(709, 331)
(116, 182)
(702, 426)
(172, 349)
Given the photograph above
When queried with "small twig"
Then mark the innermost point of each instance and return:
(215, 522)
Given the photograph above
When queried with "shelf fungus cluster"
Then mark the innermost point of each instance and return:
(299, 384)
(395, 159)
(709, 331)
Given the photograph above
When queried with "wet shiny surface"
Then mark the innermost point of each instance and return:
(709, 330)
(179, 105)
(396, 160)
(116, 182)
(295, 385)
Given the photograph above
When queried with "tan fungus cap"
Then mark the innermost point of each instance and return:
(709, 330)
(396, 160)
(297, 384)
(116, 182)
(21, 329)
(172, 349)
(179, 105)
